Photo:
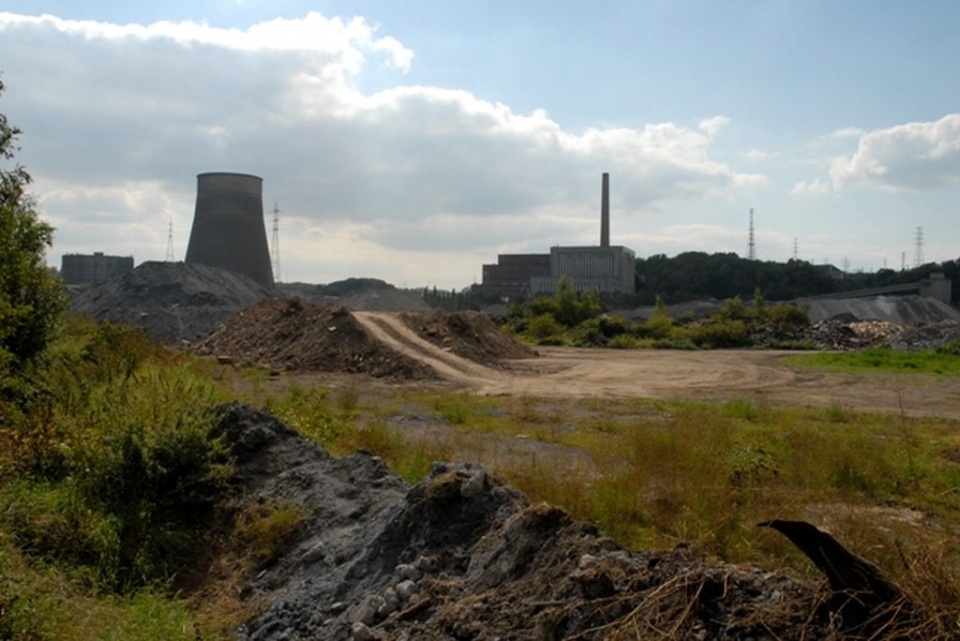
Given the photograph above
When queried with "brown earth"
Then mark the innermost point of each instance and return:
(317, 342)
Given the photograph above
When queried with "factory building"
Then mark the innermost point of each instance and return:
(605, 268)
(511, 276)
(83, 269)
(228, 229)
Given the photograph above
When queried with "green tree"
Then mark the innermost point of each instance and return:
(32, 299)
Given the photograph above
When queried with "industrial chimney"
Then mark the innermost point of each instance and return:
(605, 211)
(228, 229)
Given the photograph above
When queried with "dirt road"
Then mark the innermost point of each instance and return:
(760, 376)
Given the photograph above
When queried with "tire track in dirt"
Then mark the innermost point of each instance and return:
(391, 331)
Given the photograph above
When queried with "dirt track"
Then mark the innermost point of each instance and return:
(710, 375)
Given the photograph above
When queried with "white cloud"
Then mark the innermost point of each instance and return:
(815, 187)
(916, 156)
(119, 119)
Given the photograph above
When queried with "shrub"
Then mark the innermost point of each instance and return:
(721, 333)
(545, 330)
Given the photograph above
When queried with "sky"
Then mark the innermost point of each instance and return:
(415, 141)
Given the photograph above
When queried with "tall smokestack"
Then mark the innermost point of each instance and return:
(605, 211)
(228, 229)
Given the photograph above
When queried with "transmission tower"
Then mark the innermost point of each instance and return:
(751, 245)
(918, 248)
(170, 241)
(795, 248)
(275, 243)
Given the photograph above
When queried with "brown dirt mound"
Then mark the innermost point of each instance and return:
(296, 336)
(469, 335)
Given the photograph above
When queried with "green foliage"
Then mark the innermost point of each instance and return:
(720, 333)
(544, 329)
(785, 316)
(884, 359)
(32, 299)
(111, 466)
(600, 331)
(310, 412)
(659, 325)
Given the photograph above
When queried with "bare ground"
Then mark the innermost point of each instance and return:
(761, 376)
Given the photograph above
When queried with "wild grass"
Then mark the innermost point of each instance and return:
(658, 473)
(109, 471)
(942, 361)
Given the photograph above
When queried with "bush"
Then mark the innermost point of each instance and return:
(116, 466)
(545, 330)
(599, 331)
(785, 316)
(720, 334)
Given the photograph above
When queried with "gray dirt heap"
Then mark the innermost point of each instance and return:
(461, 556)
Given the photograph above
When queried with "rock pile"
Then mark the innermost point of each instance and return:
(461, 556)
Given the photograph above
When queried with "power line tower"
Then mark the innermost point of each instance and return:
(751, 244)
(795, 248)
(275, 243)
(918, 248)
(170, 241)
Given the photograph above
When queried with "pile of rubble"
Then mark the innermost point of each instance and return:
(294, 335)
(945, 334)
(291, 335)
(470, 335)
(461, 556)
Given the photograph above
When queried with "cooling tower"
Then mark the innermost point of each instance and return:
(228, 229)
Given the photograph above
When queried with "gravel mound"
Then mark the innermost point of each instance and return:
(462, 556)
(895, 309)
(172, 302)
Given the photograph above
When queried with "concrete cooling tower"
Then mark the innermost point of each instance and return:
(228, 229)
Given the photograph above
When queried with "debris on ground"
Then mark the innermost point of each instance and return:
(172, 302)
(929, 336)
(292, 335)
(298, 336)
(470, 335)
(460, 555)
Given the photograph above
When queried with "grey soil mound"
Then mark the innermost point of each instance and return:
(893, 309)
(172, 302)
(461, 556)
(297, 336)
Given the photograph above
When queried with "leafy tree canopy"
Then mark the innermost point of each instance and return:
(31, 296)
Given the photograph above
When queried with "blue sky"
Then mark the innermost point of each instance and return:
(415, 141)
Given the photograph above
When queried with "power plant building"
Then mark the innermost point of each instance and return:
(605, 268)
(82, 269)
(228, 229)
